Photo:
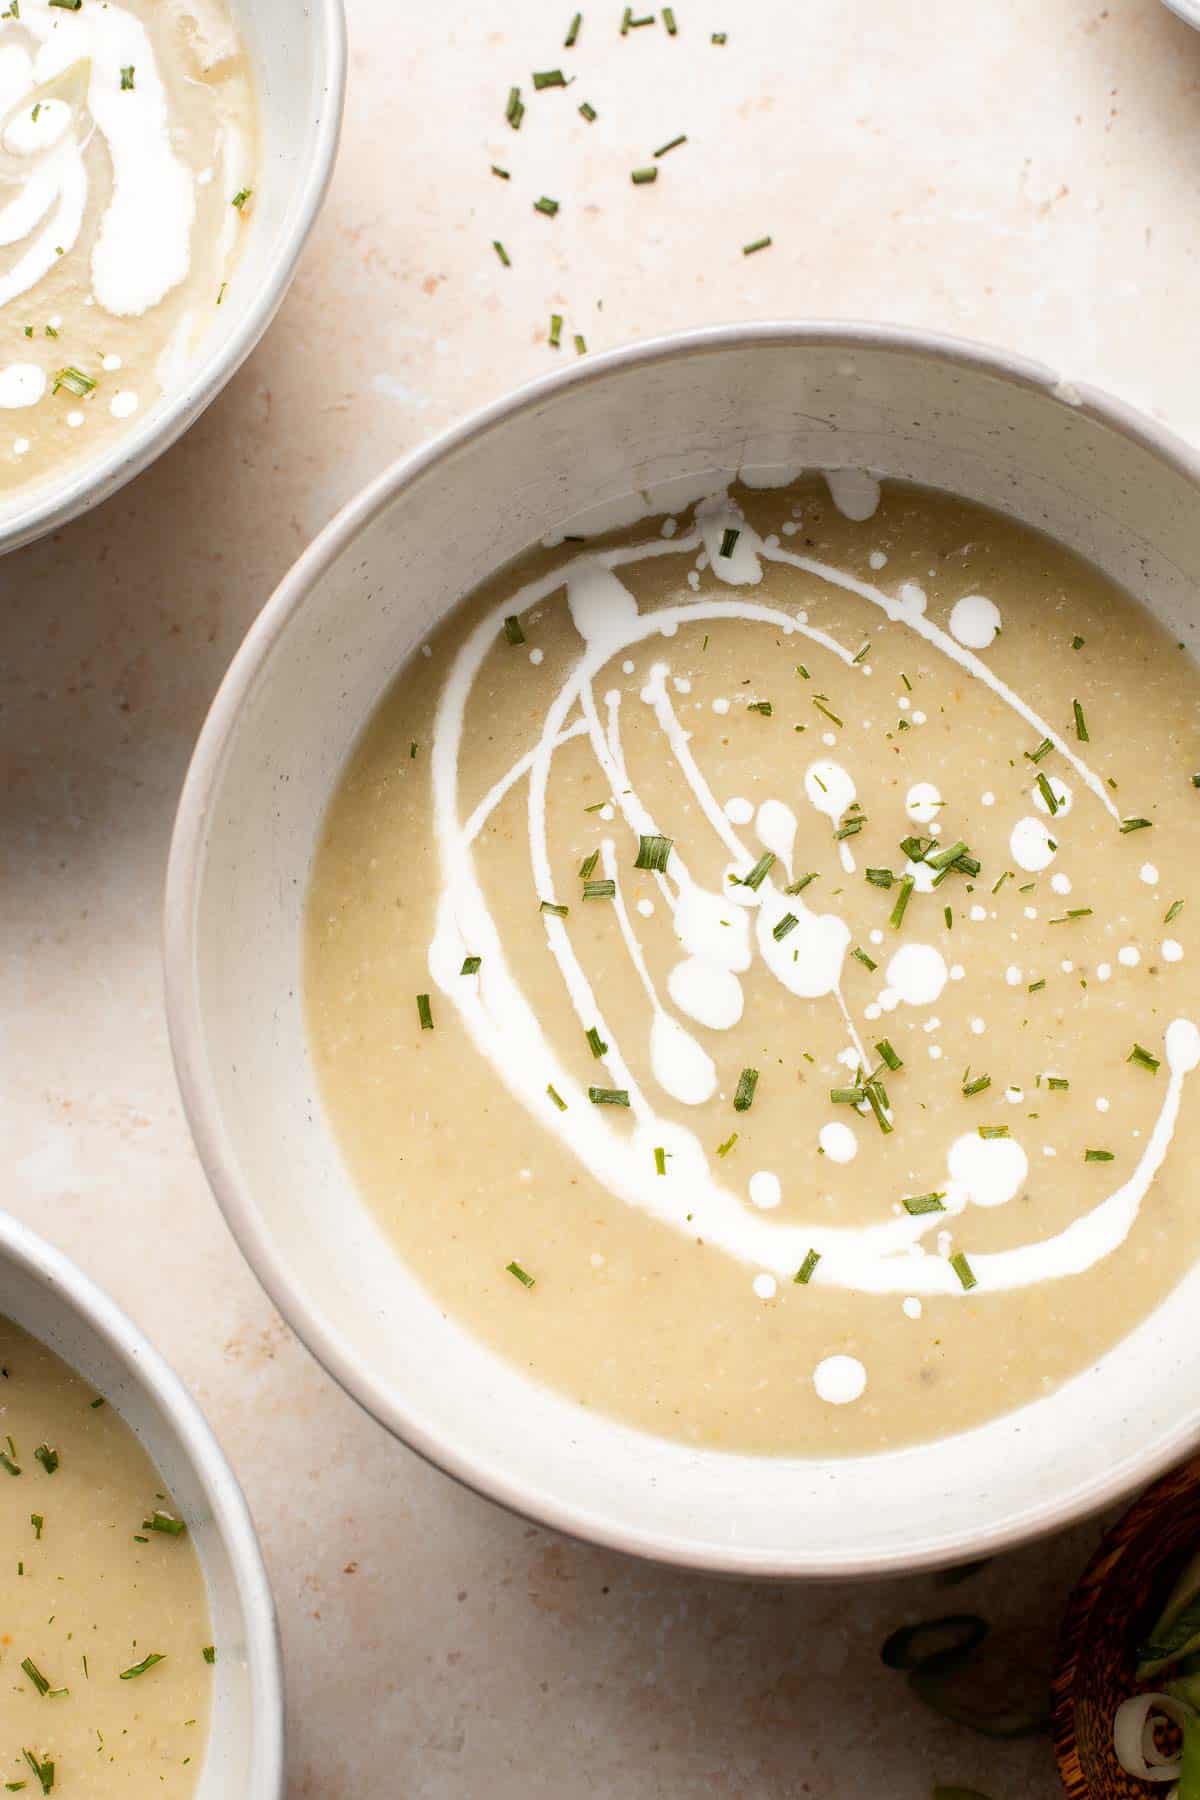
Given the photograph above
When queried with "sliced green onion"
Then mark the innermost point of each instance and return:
(1077, 643)
(1035, 987)
(588, 112)
(572, 37)
(788, 923)
(877, 1101)
(669, 21)
(1173, 911)
(673, 145)
(556, 1097)
(660, 1160)
(47, 1457)
(1144, 1060)
(127, 72)
(424, 1012)
(907, 885)
(546, 205)
(807, 1269)
(74, 380)
(727, 1146)
(964, 1271)
(827, 711)
(743, 1098)
(580, 344)
(653, 853)
(720, 37)
(1098, 1156)
(1047, 793)
(35, 1675)
(596, 1043)
(881, 878)
(993, 1131)
(556, 325)
(980, 1083)
(210, 1653)
(515, 1269)
(761, 706)
(759, 872)
(916, 1204)
(604, 889)
(860, 955)
(885, 1052)
(1081, 730)
(1128, 825)
(548, 78)
(471, 965)
(643, 177)
(847, 1096)
(798, 886)
(762, 243)
(512, 629)
(1043, 750)
(729, 538)
(553, 908)
(600, 1096)
(147, 1662)
(514, 112)
(587, 867)
(851, 828)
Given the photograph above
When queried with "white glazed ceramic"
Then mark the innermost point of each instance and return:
(1000, 430)
(1188, 10)
(297, 51)
(47, 1295)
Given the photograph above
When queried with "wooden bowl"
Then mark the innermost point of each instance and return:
(1111, 1609)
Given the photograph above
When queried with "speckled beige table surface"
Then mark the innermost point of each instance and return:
(1021, 171)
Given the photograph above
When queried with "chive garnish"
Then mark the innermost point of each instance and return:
(943, 859)
(729, 538)
(1081, 730)
(847, 1096)
(669, 21)
(851, 828)
(1043, 750)
(1035, 987)
(1047, 793)
(589, 112)
(1173, 911)
(608, 1096)
(587, 867)
(514, 112)
(643, 177)
(788, 923)
(73, 379)
(1144, 1060)
(720, 37)
(887, 1054)
(727, 1146)
(44, 1770)
(35, 1675)
(798, 886)
(897, 914)
(916, 848)
(7, 1464)
(653, 853)
(127, 82)
(743, 1099)
(860, 955)
(243, 194)
(980, 1083)
(963, 1270)
(580, 344)
(548, 78)
(1006, 876)
(916, 1204)
(553, 908)
(546, 205)
(762, 243)
(993, 1131)
(862, 653)
(572, 37)
(147, 1662)
(556, 1096)
(47, 1457)
(1057, 1082)
(596, 1043)
(556, 325)
(761, 706)
(1128, 825)
(1077, 643)
(503, 174)
(759, 872)
(599, 890)
(471, 965)
(37, 1521)
(512, 629)
(807, 1269)
(882, 878)
(1097, 1156)
(514, 1268)
(209, 1653)
(165, 1523)
(877, 1100)
(829, 714)
(660, 1160)
(948, 915)
(673, 145)
(424, 1012)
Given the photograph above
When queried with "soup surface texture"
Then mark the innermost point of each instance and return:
(127, 170)
(750, 966)
(103, 1616)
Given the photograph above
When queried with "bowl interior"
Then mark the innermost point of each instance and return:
(296, 52)
(761, 400)
(42, 1292)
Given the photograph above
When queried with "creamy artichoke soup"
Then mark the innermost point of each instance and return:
(127, 170)
(751, 966)
(105, 1652)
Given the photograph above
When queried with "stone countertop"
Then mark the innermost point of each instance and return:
(1019, 172)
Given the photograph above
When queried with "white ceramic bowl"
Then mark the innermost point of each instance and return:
(297, 52)
(999, 430)
(47, 1295)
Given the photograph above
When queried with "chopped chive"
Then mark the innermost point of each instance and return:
(653, 853)
(669, 21)
(502, 253)
(993, 1131)
(1173, 911)
(1006, 876)
(1058, 1083)
(47, 1457)
(729, 538)
(471, 965)
(424, 1012)
(829, 714)
(553, 908)
(788, 923)
(548, 78)
(599, 890)
(673, 145)
(881, 878)
(759, 872)
(1043, 750)
(1144, 1060)
(762, 243)
(860, 955)
(587, 867)
(977, 1086)
(1035, 987)
(727, 1146)
(877, 1101)
(887, 1054)
(589, 112)
(1081, 730)
(73, 379)
(896, 919)
(798, 886)
(720, 37)
(127, 72)
(608, 1096)
(948, 915)
(851, 828)
(598, 806)
(847, 1096)
(556, 326)
(942, 859)
(37, 1521)
(1077, 643)
(807, 1269)
(802, 671)
(512, 629)
(643, 177)
(35, 1675)
(1128, 825)
(743, 1099)
(572, 37)
(7, 1463)
(44, 1770)
(861, 654)
(660, 1160)
(503, 174)
(147, 1662)
(596, 1043)
(1097, 1156)
(209, 1653)
(761, 706)
(546, 205)
(1047, 793)
(916, 1204)
(514, 112)
(963, 1270)
(556, 1097)
(1072, 912)
(165, 1523)
(580, 344)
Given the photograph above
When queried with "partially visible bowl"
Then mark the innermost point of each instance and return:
(45, 1294)
(999, 430)
(297, 55)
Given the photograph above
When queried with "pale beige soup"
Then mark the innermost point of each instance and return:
(96, 1581)
(128, 157)
(1038, 987)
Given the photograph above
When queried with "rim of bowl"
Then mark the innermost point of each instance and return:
(50, 505)
(185, 1014)
(149, 1369)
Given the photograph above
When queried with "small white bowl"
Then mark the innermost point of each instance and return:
(50, 1298)
(1000, 430)
(297, 53)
